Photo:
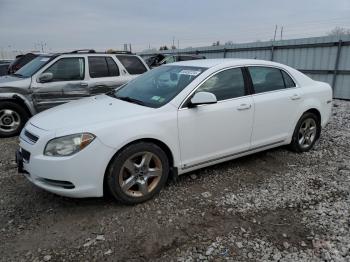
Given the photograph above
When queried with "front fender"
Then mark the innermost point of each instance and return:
(21, 97)
(119, 133)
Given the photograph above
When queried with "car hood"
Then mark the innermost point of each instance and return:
(14, 81)
(87, 112)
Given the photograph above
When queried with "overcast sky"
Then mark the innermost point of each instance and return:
(72, 24)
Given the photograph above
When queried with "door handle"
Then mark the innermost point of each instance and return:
(244, 107)
(295, 97)
(83, 84)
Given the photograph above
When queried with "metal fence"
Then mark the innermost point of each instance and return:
(322, 58)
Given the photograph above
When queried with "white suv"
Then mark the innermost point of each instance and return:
(169, 121)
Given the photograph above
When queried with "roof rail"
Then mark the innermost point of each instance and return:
(83, 51)
(119, 52)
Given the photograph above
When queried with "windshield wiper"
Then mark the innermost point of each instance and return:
(131, 100)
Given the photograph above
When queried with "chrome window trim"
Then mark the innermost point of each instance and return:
(278, 90)
(240, 66)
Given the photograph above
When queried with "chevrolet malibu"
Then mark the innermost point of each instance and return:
(169, 121)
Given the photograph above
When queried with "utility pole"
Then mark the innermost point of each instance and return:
(42, 46)
(178, 44)
(274, 36)
(281, 32)
(130, 48)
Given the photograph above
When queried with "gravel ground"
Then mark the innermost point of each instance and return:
(271, 206)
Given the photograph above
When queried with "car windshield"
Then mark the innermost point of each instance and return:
(33, 66)
(158, 86)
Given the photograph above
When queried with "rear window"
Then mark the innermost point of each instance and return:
(132, 64)
(25, 59)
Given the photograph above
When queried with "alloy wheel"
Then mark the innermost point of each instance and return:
(9, 120)
(140, 174)
(307, 132)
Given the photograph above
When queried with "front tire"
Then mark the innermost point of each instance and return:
(138, 173)
(306, 132)
(12, 118)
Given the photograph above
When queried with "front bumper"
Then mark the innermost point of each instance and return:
(79, 175)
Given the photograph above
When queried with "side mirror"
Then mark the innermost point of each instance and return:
(203, 98)
(45, 77)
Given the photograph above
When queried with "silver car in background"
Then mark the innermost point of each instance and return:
(54, 79)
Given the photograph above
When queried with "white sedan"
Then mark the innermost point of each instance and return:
(169, 121)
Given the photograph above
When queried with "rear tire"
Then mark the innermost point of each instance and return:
(12, 118)
(137, 173)
(306, 133)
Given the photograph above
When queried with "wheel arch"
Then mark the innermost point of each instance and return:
(161, 144)
(317, 113)
(20, 101)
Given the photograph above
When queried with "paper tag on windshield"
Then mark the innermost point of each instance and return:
(44, 59)
(155, 98)
(189, 72)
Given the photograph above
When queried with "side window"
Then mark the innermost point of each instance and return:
(112, 67)
(132, 64)
(225, 85)
(266, 79)
(98, 66)
(288, 81)
(67, 69)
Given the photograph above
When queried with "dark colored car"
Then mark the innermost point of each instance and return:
(161, 59)
(153, 61)
(4, 65)
(20, 61)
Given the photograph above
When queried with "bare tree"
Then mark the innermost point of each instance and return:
(339, 31)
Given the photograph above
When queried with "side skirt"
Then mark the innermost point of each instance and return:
(187, 168)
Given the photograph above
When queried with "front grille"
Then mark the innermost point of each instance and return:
(25, 154)
(33, 138)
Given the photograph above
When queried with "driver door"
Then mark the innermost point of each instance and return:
(212, 132)
(67, 83)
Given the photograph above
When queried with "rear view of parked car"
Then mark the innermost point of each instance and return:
(51, 80)
(20, 61)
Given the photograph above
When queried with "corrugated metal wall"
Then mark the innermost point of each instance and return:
(322, 58)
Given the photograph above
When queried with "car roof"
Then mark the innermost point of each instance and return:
(87, 54)
(208, 63)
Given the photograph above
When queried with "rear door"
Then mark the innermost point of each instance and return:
(276, 98)
(104, 74)
(67, 83)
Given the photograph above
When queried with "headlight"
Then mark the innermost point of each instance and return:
(68, 145)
